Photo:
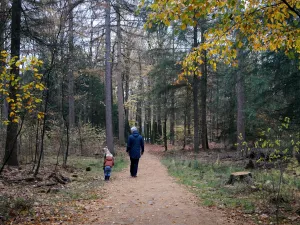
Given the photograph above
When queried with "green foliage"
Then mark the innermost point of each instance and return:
(269, 94)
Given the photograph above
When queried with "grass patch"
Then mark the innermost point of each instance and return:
(85, 186)
(97, 164)
(208, 181)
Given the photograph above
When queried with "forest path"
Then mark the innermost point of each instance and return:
(152, 198)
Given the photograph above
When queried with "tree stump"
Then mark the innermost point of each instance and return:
(243, 176)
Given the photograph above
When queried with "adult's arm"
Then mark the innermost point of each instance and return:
(128, 144)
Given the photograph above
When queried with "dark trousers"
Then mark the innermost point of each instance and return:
(134, 166)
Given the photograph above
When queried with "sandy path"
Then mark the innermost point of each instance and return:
(152, 198)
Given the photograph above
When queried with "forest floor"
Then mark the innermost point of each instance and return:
(195, 193)
(152, 198)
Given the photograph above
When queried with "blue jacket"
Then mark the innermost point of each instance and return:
(135, 145)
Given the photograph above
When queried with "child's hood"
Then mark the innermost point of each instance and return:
(109, 157)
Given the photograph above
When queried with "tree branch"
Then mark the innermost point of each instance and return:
(291, 8)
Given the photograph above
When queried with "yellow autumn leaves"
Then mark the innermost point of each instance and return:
(21, 92)
(268, 25)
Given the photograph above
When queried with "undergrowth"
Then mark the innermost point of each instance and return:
(208, 181)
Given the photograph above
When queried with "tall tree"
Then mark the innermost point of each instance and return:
(108, 79)
(3, 22)
(240, 95)
(203, 90)
(121, 113)
(11, 154)
(71, 66)
(195, 97)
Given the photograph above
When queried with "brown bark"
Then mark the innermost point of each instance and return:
(203, 88)
(139, 101)
(126, 88)
(11, 154)
(172, 119)
(240, 93)
(195, 100)
(108, 80)
(4, 107)
(121, 115)
(71, 68)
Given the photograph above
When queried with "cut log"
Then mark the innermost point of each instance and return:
(243, 176)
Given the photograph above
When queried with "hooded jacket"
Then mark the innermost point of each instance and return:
(135, 145)
(108, 160)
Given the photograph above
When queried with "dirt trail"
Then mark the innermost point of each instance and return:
(152, 198)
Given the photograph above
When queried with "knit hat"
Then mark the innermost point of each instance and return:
(133, 129)
(107, 152)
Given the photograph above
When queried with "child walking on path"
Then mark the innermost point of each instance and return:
(108, 163)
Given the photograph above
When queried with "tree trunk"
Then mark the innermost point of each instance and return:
(172, 119)
(159, 125)
(44, 123)
(11, 154)
(71, 68)
(3, 19)
(108, 81)
(4, 107)
(139, 101)
(240, 94)
(120, 80)
(126, 88)
(165, 132)
(203, 89)
(195, 100)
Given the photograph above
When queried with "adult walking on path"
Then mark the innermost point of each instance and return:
(135, 148)
(154, 198)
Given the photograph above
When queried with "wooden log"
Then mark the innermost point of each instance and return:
(243, 176)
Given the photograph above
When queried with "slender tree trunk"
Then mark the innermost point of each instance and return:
(154, 126)
(240, 94)
(120, 79)
(186, 129)
(195, 99)
(47, 95)
(37, 143)
(159, 125)
(165, 132)
(126, 88)
(80, 139)
(203, 89)
(3, 8)
(139, 101)
(108, 80)
(172, 119)
(11, 154)
(43, 131)
(4, 107)
(91, 39)
(71, 68)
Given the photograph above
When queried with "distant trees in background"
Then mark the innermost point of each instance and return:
(96, 81)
